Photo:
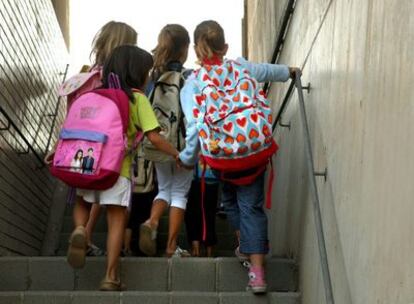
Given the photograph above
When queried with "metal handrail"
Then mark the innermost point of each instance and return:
(10, 123)
(30, 147)
(311, 170)
(290, 8)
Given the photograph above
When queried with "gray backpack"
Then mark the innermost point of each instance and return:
(165, 101)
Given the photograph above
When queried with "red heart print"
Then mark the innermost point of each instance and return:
(254, 117)
(224, 108)
(228, 126)
(219, 71)
(253, 133)
(228, 151)
(216, 82)
(202, 134)
(212, 109)
(196, 112)
(266, 130)
(200, 99)
(241, 138)
(227, 82)
(244, 86)
(206, 77)
(255, 146)
(242, 150)
(214, 95)
(241, 121)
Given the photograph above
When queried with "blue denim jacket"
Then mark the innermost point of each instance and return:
(261, 71)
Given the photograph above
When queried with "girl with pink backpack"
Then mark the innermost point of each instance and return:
(131, 65)
(110, 36)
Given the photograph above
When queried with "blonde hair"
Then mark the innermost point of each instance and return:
(110, 36)
(209, 40)
(173, 42)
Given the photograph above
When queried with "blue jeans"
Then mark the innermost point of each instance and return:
(244, 208)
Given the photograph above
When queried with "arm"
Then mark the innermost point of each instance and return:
(192, 146)
(267, 72)
(161, 144)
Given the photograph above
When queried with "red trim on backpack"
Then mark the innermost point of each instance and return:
(244, 163)
(105, 179)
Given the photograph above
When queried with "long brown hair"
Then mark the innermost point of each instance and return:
(110, 36)
(173, 42)
(209, 40)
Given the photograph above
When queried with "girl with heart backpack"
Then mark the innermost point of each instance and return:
(229, 119)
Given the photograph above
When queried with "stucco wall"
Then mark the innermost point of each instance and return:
(358, 57)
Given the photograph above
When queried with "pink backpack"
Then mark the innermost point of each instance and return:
(92, 142)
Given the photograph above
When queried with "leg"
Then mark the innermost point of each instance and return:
(229, 201)
(147, 232)
(181, 183)
(93, 218)
(253, 231)
(78, 239)
(116, 218)
(163, 198)
(192, 218)
(81, 212)
(253, 220)
(175, 220)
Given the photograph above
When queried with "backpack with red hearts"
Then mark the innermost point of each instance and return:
(233, 119)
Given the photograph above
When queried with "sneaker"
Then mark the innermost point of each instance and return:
(147, 239)
(77, 248)
(243, 259)
(257, 283)
(94, 250)
(180, 253)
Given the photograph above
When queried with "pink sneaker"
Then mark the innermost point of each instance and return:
(257, 283)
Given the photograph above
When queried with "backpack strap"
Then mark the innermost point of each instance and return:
(203, 191)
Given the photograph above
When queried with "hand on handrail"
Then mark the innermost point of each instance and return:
(49, 157)
(293, 71)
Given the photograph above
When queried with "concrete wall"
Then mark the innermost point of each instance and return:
(32, 58)
(358, 57)
(63, 16)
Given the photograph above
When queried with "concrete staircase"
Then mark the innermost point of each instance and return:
(158, 280)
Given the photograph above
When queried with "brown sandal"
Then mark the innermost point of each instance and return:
(77, 248)
(109, 285)
(147, 240)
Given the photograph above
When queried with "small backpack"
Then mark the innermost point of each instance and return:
(233, 119)
(80, 83)
(165, 101)
(92, 141)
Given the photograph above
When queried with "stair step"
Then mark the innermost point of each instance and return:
(142, 274)
(222, 225)
(226, 241)
(133, 297)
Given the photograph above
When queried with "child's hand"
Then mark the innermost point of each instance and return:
(180, 164)
(293, 71)
(49, 157)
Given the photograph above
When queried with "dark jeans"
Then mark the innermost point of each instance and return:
(244, 208)
(194, 216)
